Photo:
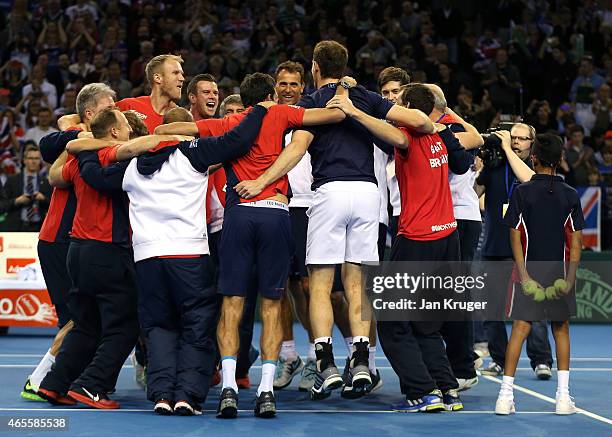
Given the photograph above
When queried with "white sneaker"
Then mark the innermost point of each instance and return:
(565, 405)
(482, 349)
(466, 384)
(543, 371)
(504, 405)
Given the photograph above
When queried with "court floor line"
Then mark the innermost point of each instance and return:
(524, 369)
(577, 359)
(300, 411)
(550, 400)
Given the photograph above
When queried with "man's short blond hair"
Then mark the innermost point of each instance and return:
(156, 63)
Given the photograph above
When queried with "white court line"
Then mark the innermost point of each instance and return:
(129, 366)
(577, 359)
(150, 410)
(550, 400)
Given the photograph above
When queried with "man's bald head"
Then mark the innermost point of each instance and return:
(440, 101)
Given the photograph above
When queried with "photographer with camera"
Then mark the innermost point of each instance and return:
(504, 155)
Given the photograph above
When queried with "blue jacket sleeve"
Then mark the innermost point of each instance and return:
(98, 177)
(52, 145)
(459, 159)
(204, 152)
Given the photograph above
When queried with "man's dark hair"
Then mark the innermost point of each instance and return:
(291, 67)
(103, 121)
(331, 57)
(393, 74)
(573, 129)
(256, 88)
(548, 148)
(191, 88)
(418, 96)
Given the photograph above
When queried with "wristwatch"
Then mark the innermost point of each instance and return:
(344, 84)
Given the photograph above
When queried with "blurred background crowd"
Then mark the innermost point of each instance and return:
(549, 62)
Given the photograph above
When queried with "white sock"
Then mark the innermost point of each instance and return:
(507, 386)
(41, 370)
(323, 340)
(267, 377)
(349, 345)
(228, 372)
(372, 359)
(288, 352)
(311, 352)
(562, 382)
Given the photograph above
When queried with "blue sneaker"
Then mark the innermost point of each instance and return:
(429, 403)
(452, 401)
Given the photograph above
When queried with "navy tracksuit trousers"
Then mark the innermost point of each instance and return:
(178, 308)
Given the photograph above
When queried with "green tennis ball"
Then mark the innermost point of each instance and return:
(530, 287)
(551, 293)
(560, 285)
(539, 295)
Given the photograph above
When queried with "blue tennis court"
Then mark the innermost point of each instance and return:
(590, 382)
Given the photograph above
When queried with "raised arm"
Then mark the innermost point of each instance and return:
(379, 128)
(412, 118)
(140, 145)
(316, 116)
(52, 145)
(204, 152)
(101, 178)
(177, 128)
(521, 170)
(68, 121)
(55, 172)
(471, 138)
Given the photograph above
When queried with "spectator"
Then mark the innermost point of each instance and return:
(538, 115)
(503, 81)
(41, 88)
(587, 82)
(81, 9)
(560, 73)
(25, 196)
(43, 126)
(67, 102)
(11, 134)
(122, 87)
(579, 157)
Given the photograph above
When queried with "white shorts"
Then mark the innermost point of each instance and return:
(343, 223)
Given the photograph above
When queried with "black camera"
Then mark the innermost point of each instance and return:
(491, 151)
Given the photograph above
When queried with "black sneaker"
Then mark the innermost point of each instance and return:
(185, 408)
(228, 404)
(377, 382)
(358, 378)
(163, 407)
(327, 377)
(265, 405)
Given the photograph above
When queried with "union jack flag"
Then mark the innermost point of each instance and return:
(590, 199)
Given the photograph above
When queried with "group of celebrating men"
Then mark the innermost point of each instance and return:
(157, 211)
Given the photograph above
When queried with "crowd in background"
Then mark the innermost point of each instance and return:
(549, 62)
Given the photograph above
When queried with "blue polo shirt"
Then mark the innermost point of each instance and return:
(545, 217)
(343, 151)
